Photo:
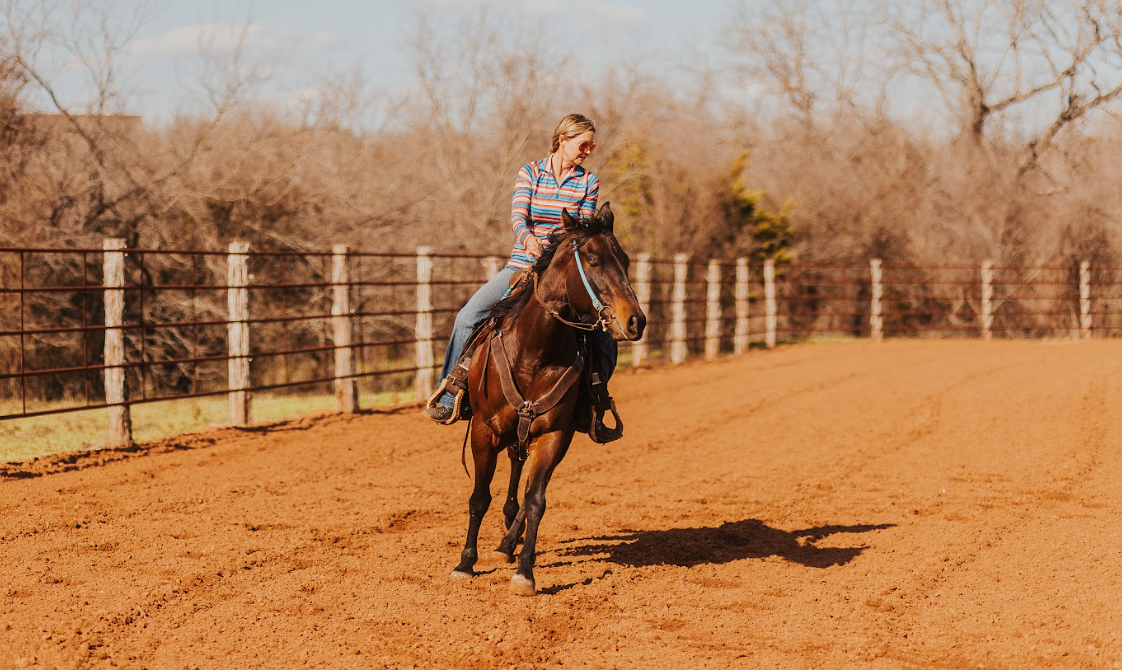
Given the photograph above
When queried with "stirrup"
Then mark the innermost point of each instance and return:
(457, 405)
(605, 434)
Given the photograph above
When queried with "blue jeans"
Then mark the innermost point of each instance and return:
(475, 311)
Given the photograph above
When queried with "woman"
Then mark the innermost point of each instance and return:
(541, 190)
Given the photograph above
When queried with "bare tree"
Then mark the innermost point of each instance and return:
(987, 58)
(484, 80)
(811, 53)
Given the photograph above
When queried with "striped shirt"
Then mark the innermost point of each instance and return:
(538, 201)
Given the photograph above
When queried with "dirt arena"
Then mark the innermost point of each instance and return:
(904, 505)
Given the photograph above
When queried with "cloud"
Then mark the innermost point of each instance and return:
(627, 15)
(630, 16)
(454, 5)
(220, 38)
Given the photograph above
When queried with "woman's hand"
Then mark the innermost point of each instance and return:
(533, 247)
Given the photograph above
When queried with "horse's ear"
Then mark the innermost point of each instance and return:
(606, 217)
(568, 222)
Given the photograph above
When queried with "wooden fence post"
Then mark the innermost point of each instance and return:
(640, 348)
(423, 383)
(116, 389)
(740, 336)
(678, 347)
(491, 266)
(237, 331)
(772, 311)
(987, 300)
(346, 384)
(713, 310)
(876, 321)
(1085, 300)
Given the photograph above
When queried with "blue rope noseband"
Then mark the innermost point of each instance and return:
(596, 304)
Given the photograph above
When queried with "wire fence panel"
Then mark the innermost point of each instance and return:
(175, 321)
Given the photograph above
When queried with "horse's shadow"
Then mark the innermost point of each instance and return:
(731, 541)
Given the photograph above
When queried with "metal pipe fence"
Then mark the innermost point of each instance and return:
(111, 328)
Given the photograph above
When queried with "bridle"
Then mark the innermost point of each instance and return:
(604, 314)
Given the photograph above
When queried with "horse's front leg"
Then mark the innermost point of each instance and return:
(545, 454)
(484, 457)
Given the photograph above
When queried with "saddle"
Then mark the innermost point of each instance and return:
(594, 400)
(455, 383)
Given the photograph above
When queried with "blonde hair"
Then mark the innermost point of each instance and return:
(571, 126)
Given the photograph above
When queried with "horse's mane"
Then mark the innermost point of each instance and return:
(512, 305)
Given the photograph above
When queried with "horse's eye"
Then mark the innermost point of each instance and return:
(593, 260)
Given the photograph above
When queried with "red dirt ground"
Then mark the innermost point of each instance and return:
(903, 505)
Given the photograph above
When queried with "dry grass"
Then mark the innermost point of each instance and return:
(24, 439)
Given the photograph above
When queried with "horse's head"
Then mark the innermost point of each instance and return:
(591, 267)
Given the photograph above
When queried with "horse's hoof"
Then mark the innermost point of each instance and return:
(520, 586)
(461, 575)
(502, 556)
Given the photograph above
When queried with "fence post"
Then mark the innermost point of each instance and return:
(772, 311)
(987, 300)
(678, 347)
(423, 384)
(491, 266)
(1085, 300)
(740, 336)
(713, 310)
(237, 330)
(876, 321)
(346, 384)
(116, 390)
(640, 349)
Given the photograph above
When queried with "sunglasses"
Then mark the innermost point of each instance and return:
(586, 147)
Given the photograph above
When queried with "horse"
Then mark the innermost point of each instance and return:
(533, 346)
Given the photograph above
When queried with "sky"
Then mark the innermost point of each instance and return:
(299, 42)
(305, 46)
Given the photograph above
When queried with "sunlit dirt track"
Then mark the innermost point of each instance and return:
(909, 504)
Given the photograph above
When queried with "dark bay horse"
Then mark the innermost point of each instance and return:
(523, 375)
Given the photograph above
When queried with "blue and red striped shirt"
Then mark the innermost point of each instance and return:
(539, 199)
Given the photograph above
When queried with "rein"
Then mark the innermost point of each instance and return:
(602, 322)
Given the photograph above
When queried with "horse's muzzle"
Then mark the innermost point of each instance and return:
(632, 328)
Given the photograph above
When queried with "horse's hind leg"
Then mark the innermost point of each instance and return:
(484, 458)
(510, 540)
(510, 509)
(512, 515)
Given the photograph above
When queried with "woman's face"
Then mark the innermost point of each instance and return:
(576, 149)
